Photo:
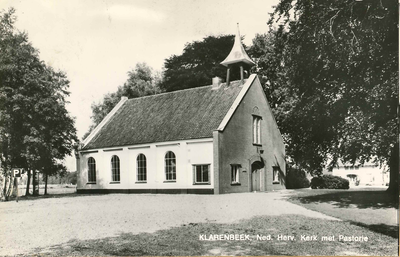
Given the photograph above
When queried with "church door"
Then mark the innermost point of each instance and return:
(255, 179)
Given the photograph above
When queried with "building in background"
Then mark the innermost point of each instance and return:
(368, 174)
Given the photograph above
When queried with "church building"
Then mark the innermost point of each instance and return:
(214, 139)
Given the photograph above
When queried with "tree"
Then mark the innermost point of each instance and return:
(52, 134)
(142, 81)
(339, 63)
(36, 130)
(198, 64)
(267, 50)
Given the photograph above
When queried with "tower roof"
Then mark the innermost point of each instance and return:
(237, 54)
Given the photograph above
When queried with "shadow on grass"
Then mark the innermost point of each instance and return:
(392, 231)
(345, 204)
(185, 240)
(170, 242)
(359, 199)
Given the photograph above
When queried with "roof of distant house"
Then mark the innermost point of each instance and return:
(180, 115)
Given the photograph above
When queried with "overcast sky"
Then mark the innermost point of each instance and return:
(97, 42)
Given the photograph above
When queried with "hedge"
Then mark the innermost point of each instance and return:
(296, 178)
(329, 182)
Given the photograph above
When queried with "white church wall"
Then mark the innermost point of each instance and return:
(187, 153)
(199, 153)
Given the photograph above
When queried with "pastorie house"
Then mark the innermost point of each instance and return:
(213, 139)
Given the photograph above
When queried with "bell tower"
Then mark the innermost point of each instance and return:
(237, 57)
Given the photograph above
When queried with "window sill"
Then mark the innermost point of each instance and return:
(91, 183)
(140, 182)
(201, 183)
(235, 184)
(255, 144)
(275, 182)
(169, 181)
(115, 182)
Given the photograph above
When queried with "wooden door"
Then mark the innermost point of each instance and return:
(255, 180)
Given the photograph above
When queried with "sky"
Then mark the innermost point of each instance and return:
(97, 42)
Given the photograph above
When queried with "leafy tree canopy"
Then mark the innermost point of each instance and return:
(142, 81)
(331, 75)
(198, 64)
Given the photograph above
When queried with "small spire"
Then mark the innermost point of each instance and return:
(237, 54)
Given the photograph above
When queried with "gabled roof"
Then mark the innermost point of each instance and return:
(180, 115)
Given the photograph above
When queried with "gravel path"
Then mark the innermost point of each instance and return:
(30, 224)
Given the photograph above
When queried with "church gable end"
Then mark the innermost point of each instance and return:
(251, 152)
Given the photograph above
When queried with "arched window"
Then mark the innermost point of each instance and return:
(256, 126)
(91, 170)
(141, 168)
(115, 171)
(256, 130)
(170, 166)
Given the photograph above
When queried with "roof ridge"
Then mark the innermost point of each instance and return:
(177, 91)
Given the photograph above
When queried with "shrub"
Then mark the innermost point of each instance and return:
(329, 182)
(296, 178)
(72, 177)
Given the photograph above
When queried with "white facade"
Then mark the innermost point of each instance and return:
(187, 152)
(368, 175)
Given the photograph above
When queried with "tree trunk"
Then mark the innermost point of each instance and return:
(45, 184)
(16, 180)
(9, 187)
(3, 184)
(394, 171)
(34, 183)
(6, 187)
(28, 182)
(3, 188)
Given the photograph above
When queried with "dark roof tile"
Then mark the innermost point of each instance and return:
(180, 115)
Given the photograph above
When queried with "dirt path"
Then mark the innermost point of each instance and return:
(28, 225)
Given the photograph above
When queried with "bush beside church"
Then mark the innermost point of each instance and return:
(329, 182)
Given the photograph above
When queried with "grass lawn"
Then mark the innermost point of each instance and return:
(184, 240)
(367, 213)
(52, 189)
(370, 208)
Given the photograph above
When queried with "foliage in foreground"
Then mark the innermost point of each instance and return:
(329, 182)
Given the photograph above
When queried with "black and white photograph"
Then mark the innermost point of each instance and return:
(199, 128)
